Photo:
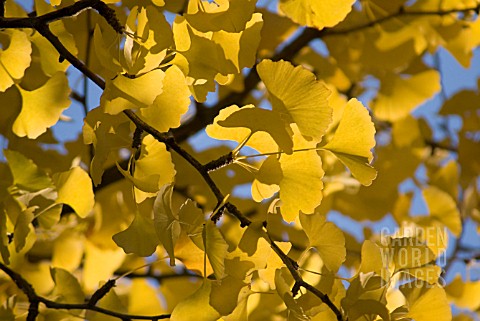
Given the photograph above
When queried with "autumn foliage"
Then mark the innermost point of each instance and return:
(226, 139)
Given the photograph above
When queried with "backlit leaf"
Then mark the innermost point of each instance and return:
(99, 264)
(316, 13)
(260, 140)
(427, 305)
(171, 104)
(216, 248)
(107, 133)
(166, 222)
(153, 168)
(26, 175)
(67, 289)
(229, 16)
(196, 307)
(131, 93)
(301, 185)
(398, 96)
(42, 107)
(15, 58)
(143, 299)
(75, 189)
(327, 238)
(464, 293)
(258, 119)
(298, 96)
(353, 141)
(273, 264)
(267, 179)
(68, 250)
(443, 207)
(139, 238)
(22, 228)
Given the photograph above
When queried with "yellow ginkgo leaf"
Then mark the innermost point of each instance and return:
(316, 13)
(464, 294)
(153, 168)
(225, 295)
(240, 47)
(76, 190)
(427, 305)
(42, 107)
(353, 141)
(166, 222)
(152, 34)
(106, 50)
(130, 93)
(273, 263)
(197, 306)
(68, 250)
(444, 208)
(15, 58)
(260, 140)
(327, 238)
(258, 119)
(298, 96)
(409, 252)
(99, 264)
(301, 185)
(191, 220)
(399, 96)
(372, 260)
(144, 298)
(200, 58)
(267, 179)
(216, 248)
(446, 177)
(67, 289)
(22, 228)
(26, 174)
(139, 238)
(229, 16)
(106, 132)
(171, 104)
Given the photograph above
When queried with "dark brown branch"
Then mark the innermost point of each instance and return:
(220, 162)
(32, 22)
(436, 145)
(2, 8)
(162, 277)
(292, 266)
(35, 299)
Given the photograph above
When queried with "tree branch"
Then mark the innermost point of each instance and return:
(292, 266)
(35, 299)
